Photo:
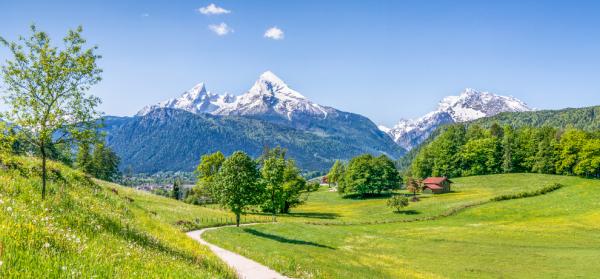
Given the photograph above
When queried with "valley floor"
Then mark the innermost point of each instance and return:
(553, 235)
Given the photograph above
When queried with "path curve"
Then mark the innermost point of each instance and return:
(244, 267)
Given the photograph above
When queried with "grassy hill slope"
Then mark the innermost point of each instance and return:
(85, 230)
(552, 235)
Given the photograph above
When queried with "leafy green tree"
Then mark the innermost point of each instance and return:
(238, 184)
(293, 186)
(589, 159)
(105, 163)
(336, 173)
(398, 202)
(84, 160)
(508, 147)
(272, 174)
(282, 180)
(209, 166)
(368, 175)
(45, 90)
(571, 143)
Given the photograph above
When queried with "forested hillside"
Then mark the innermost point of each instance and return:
(587, 118)
(172, 140)
(462, 150)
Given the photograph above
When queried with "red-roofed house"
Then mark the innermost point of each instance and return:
(437, 185)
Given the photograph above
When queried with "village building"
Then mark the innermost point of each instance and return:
(437, 185)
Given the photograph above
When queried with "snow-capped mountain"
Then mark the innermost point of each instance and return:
(467, 106)
(268, 96)
(195, 100)
(270, 113)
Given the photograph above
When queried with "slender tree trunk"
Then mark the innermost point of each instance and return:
(237, 219)
(43, 150)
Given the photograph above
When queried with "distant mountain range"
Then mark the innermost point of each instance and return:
(172, 135)
(467, 106)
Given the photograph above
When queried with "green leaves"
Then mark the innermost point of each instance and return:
(45, 89)
(368, 175)
(526, 149)
(397, 202)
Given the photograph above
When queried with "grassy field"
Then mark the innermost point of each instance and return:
(553, 235)
(326, 207)
(85, 230)
(185, 216)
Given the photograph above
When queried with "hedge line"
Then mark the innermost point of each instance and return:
(521, 195)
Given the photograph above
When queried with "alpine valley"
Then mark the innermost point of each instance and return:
(172, 135)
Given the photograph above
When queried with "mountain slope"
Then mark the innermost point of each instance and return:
(170, 139)
(587, 118)
(84, 229)
(467, 106)
(178, 131)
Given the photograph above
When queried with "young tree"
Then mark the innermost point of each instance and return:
(176, 192)
(413, 185)
(398, 202)
(238, 184)
(45, 90)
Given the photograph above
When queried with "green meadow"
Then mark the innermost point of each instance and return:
(84, 229)
(546, 236)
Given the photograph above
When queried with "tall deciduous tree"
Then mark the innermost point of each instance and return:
(209, 166)
(46, 90)
(238, 184)
(336, 173)
(272, 174)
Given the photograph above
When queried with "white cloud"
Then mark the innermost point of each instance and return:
(213, 9)
(274, 33)
(221, 29)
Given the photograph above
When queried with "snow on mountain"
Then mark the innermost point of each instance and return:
(467, 106)
(268, 95)
(195, 100)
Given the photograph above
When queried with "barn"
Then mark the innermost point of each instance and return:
(437, 185)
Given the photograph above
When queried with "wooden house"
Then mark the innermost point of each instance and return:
(437, 185)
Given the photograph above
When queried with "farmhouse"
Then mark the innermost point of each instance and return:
(437, 185)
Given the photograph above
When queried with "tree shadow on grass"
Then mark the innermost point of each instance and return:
(316, 215)
(408, 212)
(285, 240)
(368, 196)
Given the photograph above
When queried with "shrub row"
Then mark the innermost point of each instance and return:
(521, 195)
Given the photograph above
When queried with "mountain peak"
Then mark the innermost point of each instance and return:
(469, 105)
(269, 76)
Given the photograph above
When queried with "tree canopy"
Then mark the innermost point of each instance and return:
(478, 150)
(46, 90)
(368, 175)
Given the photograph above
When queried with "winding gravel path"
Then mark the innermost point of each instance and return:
(245, 268)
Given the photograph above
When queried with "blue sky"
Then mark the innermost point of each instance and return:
(384, 59)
